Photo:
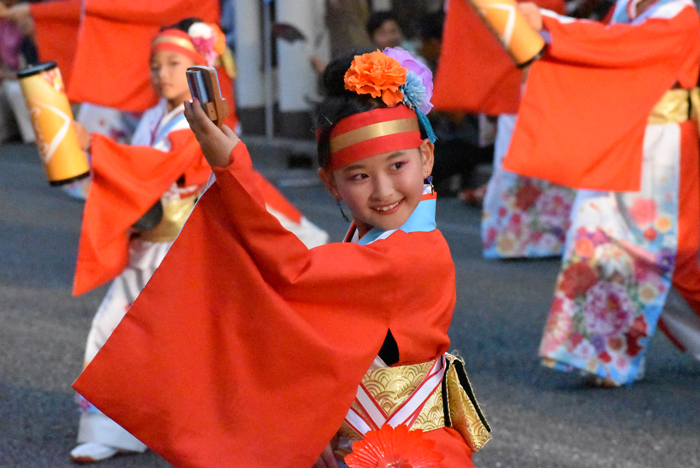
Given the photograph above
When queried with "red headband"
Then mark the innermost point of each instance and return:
(373, 132)
(178, 41)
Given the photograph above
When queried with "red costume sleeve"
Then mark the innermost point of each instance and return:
(586, 104)
(111, 65)
(56, 26)
(128, 180)
(475, 74)
(277, 201)
(245, 349)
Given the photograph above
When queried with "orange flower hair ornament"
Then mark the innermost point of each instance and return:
(397, 78)
(378, 75)
(391, 447)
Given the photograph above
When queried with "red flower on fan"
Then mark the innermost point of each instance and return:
(394, 448)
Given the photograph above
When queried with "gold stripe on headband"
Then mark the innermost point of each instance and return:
(376, 130)
(178, 41)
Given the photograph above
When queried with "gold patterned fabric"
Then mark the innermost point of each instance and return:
(677, 105)
(175, 214)
(391, 386)
(465, 414)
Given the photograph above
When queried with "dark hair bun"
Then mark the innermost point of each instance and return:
(183, 24)
(334, 75)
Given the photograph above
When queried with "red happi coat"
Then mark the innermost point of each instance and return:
(587, 101)
(246, 348)
(475, 74)
(56, 25)
(111, 61)
(98, 42)
(102, 46)
(128, 180)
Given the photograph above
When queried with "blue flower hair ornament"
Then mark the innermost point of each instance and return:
(418, 89)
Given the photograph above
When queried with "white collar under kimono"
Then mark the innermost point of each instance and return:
(157, 123)
(626, 10)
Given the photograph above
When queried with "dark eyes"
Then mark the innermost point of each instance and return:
(155, 68)
(361, 176)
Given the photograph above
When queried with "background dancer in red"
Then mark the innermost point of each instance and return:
(522, 216)
(138, 201)
(608, 110)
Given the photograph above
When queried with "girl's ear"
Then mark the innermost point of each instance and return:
(329, 181)
(427, 155)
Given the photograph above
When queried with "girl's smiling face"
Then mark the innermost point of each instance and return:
(382, 191)
(168, 76)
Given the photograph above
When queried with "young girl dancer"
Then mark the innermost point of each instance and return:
(248, 349)
(161, 174)
(140, 197)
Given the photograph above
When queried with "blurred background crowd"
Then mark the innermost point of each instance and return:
(280, 48)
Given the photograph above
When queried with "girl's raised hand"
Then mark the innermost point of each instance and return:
(216, 143)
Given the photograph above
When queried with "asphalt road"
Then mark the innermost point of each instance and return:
(540, 418)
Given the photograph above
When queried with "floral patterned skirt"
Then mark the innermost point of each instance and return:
(617, 269)
(522, 217)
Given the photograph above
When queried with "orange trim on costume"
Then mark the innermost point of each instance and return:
(373, 132)
(178, 41)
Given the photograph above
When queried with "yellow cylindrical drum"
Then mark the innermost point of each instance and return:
(52, 121)
(520, 40)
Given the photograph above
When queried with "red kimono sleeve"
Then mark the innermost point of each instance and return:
(111, 65)
(128, 180)
(475, 74)
(56, 26)
(586, 103)
(245, 349)
(274, 199)
(300, 273)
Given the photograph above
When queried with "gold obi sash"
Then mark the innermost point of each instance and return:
(677, 105)
(451, 404)
(175, 213)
